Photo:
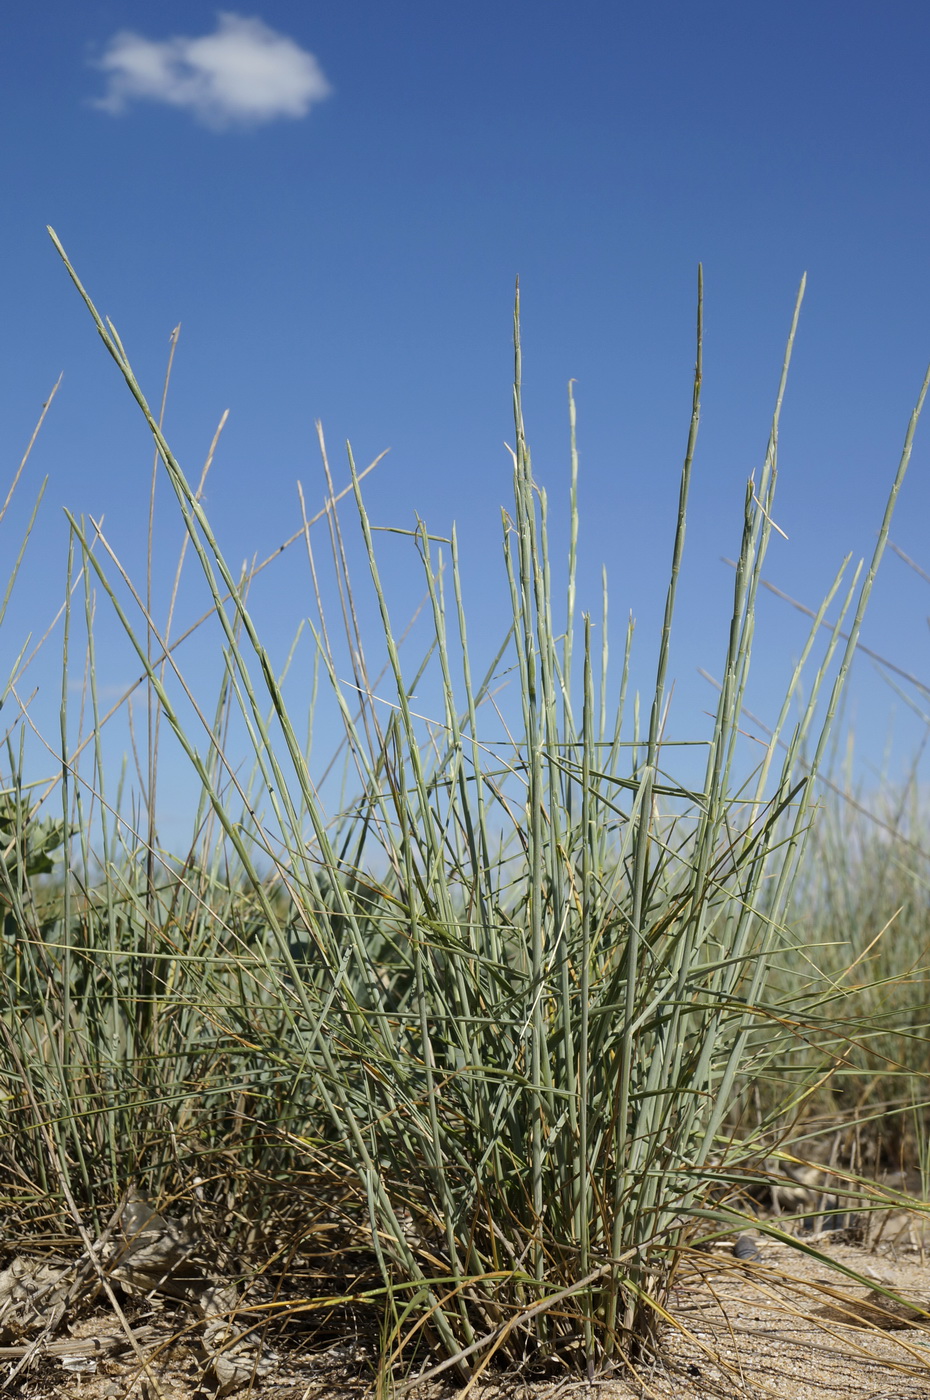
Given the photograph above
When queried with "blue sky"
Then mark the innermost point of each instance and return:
(334, 202)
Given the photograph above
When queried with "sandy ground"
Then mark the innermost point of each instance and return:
(784, 1325)
(787, 1326)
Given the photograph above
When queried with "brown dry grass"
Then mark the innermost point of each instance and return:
(783, 1327)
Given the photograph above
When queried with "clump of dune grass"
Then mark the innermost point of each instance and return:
(853, 1089)
(496, 1005)
(854, 969)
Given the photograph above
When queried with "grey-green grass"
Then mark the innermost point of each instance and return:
(496, 1006)
(854, 969)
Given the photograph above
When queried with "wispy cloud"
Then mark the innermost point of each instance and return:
(242, 74)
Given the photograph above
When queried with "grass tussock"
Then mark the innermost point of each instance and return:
(473, 1035)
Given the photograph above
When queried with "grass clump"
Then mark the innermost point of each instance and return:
(493, 1010)
(855, 971)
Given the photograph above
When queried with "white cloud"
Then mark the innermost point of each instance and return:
(242, 74)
